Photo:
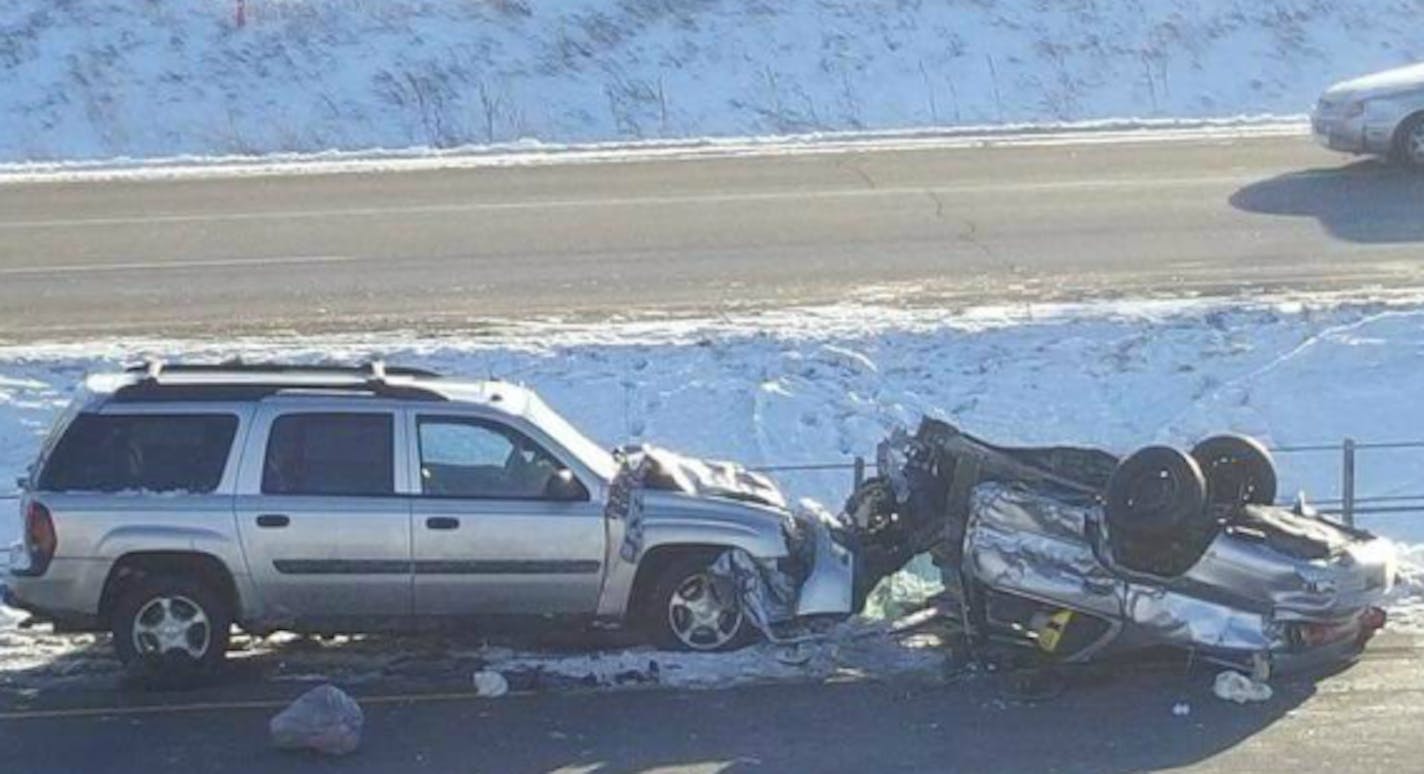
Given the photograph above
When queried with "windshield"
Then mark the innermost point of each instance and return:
(588, 452)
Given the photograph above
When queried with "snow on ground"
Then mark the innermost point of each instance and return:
(91, 79)
(823, 385)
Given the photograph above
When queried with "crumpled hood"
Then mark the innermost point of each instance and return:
(1378, 84)
(707, 478)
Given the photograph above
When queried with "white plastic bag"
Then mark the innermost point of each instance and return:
(323, 719)
(490, 684)
(1234, 686)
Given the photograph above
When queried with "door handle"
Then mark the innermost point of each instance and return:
(273, 520)
(442, 522)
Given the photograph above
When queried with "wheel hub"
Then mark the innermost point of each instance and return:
(703, 615)
(171, 624)
(1414, 145)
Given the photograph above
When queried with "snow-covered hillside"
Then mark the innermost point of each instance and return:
(87, 79)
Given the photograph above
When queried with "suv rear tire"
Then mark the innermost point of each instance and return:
(170, 631)
(688, 609)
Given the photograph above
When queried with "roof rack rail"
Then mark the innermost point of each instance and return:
(371, 377)
(376, 369)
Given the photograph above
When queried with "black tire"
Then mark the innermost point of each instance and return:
(1156, 491)
(1238, 469)
(1404, 150)
(674, 577)
(188, 598)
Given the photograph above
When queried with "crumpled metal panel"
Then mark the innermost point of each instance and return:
(767, 595)
(1173, 618)
(1297, 589)
(1037, 546)
(624, 507)
(1030, 544)
(711, 478)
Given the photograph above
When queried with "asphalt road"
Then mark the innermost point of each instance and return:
(1364, 719)
(442, 249)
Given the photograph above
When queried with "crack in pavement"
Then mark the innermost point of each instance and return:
(854, 166)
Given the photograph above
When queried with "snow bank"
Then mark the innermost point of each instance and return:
(92, 79)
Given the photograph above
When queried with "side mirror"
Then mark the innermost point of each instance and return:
(564, 487)
(22, 483)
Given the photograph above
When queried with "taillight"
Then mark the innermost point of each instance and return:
(41, 541)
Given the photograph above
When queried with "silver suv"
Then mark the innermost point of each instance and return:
(170, 503)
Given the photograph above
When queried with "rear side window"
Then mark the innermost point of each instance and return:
(141, 452)
(330, 454)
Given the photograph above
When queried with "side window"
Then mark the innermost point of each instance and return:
(141, 452)
(330, 454)
(462, 457)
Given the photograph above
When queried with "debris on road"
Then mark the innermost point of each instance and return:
(490, 684)
(1181, 709)
(1234, 686)
(323, 719)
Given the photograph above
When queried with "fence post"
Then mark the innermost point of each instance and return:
(859, 471)
(1347, 483)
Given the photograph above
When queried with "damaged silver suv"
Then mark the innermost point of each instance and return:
(169, 504)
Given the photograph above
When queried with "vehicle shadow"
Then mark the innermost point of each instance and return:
(1111, 718)
(1368, 202)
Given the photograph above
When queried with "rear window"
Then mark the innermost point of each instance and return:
(141, 452)
(330, 454)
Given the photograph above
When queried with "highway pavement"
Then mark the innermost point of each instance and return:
(448, 249)
(1111, 719)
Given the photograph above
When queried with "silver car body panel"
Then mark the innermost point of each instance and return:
(1233, 600)
(1364, 115)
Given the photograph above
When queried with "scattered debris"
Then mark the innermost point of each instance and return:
(1234, 686)
(1181, 709)
(323, 719)
(490, 684)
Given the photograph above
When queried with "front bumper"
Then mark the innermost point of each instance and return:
(1338, 133)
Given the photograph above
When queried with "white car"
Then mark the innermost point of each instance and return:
(1380, 114)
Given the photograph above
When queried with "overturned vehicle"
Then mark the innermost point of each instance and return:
(1080, 555)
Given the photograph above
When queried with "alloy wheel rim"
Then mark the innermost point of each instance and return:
(702, 614)
(167, 624)
(1415, 145)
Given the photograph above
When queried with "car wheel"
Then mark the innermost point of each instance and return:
(1239, 470)
(690, 609)
(1156, 491)
(1409, 142)
(170, 631)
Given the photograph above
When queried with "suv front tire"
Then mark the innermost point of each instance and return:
(170, 631)
(690, 609)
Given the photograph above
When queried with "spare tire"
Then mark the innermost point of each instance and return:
(1156, 491)
(1238, 469)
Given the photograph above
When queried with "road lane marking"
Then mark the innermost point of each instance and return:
(82, 268)
(221, 706)
(1150, 184)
